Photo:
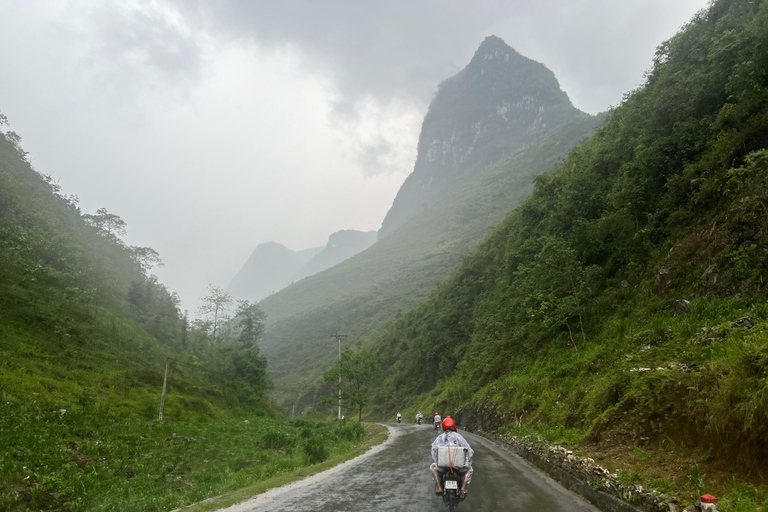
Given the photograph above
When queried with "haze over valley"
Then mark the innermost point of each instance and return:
(242, 243)
(196, 125)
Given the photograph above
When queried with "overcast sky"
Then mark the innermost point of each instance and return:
(213, 126)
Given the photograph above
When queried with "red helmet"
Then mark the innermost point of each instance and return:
(449, 424)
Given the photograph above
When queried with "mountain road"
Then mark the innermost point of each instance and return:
(395, 477)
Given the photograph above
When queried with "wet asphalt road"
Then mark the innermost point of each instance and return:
(397, 478)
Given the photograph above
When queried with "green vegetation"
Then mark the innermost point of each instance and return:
(354, 376)
(498, 124)
(374, 434)
(625, 300)
(89, 459)
(87, 334)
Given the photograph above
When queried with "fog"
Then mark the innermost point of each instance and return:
(211, 127)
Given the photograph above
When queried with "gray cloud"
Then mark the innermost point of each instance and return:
(213, 126)
(125, 49)
(404, 48)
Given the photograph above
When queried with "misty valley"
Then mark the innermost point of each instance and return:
(585, 294)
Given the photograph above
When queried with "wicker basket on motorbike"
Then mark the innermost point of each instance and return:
(452, 457)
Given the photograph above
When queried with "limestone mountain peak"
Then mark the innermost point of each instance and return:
(500, 101)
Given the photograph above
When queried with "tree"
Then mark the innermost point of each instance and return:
(357, 369)
(184, 329)
(146, 257)
(250, 368)
(216, 304)
(556, 286)
(108, 224)
(251, 321)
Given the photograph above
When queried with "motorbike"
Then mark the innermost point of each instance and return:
(419, 420)
(437, 425)
(451, 481)
(399, 420)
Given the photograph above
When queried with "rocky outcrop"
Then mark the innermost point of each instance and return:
(499, 102)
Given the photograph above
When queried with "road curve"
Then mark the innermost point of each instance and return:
(396, 478)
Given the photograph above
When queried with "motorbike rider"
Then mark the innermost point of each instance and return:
(450, 437)
(436, 419)
(399, 417)
(419, 417)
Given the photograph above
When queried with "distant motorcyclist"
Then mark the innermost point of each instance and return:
(450, 437)
(436, 420)
(399, 417)
(419, 417)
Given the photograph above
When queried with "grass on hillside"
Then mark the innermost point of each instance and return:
(87, 459)
(79, 430)
(666, 398)
(374, 434)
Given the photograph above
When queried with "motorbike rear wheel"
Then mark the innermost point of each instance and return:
(451, 500)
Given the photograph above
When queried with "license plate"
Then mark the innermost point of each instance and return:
(451, 484)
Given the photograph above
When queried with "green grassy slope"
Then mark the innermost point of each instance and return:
(568, 314)
(486, 164)
(85, 335)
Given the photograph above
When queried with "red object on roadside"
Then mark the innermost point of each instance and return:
(708, 498)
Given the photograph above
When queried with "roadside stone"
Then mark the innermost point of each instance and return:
(711, 335)
(175, 439)
(585, 469)
(682, 306)
(746, 323)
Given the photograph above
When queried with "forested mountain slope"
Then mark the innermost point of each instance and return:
(626, 298)
(86, 335)
(75, 301)
(489, 131)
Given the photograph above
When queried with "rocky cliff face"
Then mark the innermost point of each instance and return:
(500, 101)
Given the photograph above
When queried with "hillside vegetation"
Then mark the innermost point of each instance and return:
(624, 302)
(488, 132)
(85, 335)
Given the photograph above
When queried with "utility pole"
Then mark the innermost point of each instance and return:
(339, 337)
(162, 397)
